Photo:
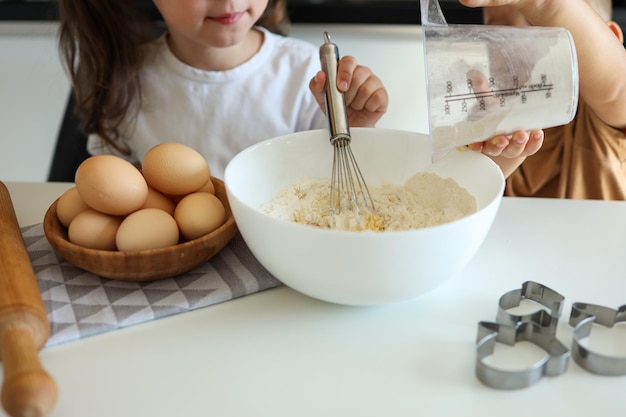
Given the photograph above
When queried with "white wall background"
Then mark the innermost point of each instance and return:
(34, 87)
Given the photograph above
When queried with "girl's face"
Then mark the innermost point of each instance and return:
(210, 23)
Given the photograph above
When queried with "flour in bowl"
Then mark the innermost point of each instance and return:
(426, 199)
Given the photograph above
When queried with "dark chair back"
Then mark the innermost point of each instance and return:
(71, 147)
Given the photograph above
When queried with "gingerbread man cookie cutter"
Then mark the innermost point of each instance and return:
(582, 318)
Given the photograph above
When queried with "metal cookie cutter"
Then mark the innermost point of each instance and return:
(553, 364)
(582, 318)
(536, 292)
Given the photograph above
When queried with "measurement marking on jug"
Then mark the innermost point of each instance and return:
(500, 95)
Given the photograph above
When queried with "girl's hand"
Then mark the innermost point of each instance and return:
(519, 144)
(509, 151)
(365, 94)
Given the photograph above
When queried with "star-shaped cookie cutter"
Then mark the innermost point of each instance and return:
(553, 364)
(538, 293)
(582, 318)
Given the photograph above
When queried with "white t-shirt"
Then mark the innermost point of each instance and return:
(220, 113)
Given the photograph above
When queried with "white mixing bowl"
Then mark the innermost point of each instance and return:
(359, 268)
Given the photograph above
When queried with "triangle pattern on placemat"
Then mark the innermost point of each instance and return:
(44, 256)
(195, 297)
(71, 272)
(90, 313)
(92, 329)
(127, 315)
(56, 305)
(56, 293)
(63, 332)
(49, 272)
(188, 279)
(167, 310)
(154, 296)
(81, 304)
(58, 272)
(60, 311)
(176, 298)
(123, 296)
(32, 238)
(97, 296)
(48, 284)
(60, 327)
(76, 292)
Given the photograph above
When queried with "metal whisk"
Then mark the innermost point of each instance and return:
(348, 189)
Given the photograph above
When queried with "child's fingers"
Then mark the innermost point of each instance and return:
(535, 142)
(520, 143)
(345, 70)
(378, 101)
(524, 143)
(316, 85)
(495, 145)
(367, 92)
(516, 145)
(476, 146)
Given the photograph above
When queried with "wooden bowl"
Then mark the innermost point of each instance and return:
(144, 265)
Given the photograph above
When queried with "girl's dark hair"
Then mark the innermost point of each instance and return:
(100, 43)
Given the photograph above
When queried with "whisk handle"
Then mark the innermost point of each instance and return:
(335, 100)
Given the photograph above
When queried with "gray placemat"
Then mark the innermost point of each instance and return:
(81, 304)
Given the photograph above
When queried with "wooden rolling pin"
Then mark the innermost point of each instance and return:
(27, 390)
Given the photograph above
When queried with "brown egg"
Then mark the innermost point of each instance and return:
(148, 228)
(176, 198)
(198, 214)
(95, 230)
(175, 169)
(209, 187)
(111, 185)
(69, 205)
(159, 200)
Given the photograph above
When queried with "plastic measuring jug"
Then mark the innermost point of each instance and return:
(483, 80)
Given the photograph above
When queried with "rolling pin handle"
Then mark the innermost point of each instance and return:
(28, 390)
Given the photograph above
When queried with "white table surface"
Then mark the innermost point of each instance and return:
(279, 353)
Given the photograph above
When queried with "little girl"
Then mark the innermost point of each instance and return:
(219, 77)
